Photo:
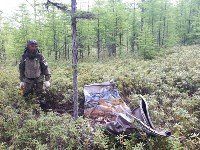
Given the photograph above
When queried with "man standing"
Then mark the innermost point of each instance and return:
(34, 71)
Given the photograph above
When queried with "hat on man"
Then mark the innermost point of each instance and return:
(32, 42)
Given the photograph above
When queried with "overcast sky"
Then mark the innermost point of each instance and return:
(10, 6)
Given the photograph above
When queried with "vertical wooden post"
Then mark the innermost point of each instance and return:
(74, 59)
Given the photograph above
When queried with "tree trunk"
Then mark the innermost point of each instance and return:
(159, 34)
(55, 45)
(127, 44)
(133, 34)
(120, 39)
(65, 46)
(98, 39)
(54, 36)
(68, 49)
(88, 47)
(113, 49)
(189, 20)
(74, 59)
(164, 25)
(35, 18)
(142, 15)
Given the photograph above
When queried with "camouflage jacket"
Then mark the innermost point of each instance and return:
(33, 67)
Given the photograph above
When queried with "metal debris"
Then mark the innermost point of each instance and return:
(104, 106)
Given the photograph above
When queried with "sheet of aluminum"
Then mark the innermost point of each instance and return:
(104, 106)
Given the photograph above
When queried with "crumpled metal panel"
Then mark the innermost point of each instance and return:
(104, 106)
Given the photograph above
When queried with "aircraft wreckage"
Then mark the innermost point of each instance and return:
(104, 106)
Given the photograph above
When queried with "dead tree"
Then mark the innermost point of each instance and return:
(74, 15)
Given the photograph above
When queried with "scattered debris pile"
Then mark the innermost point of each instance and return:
(104, 106)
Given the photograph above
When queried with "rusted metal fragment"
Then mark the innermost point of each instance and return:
(103, 105)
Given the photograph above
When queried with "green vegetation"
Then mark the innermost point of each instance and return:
(133, 43)
(108, 28)
(170, 83)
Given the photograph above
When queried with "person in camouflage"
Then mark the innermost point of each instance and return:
(34, 71)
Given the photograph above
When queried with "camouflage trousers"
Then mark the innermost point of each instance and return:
(34, 87)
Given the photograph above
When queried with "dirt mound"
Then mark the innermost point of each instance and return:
(57, 102)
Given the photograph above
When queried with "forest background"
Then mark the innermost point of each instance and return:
(149, 47)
